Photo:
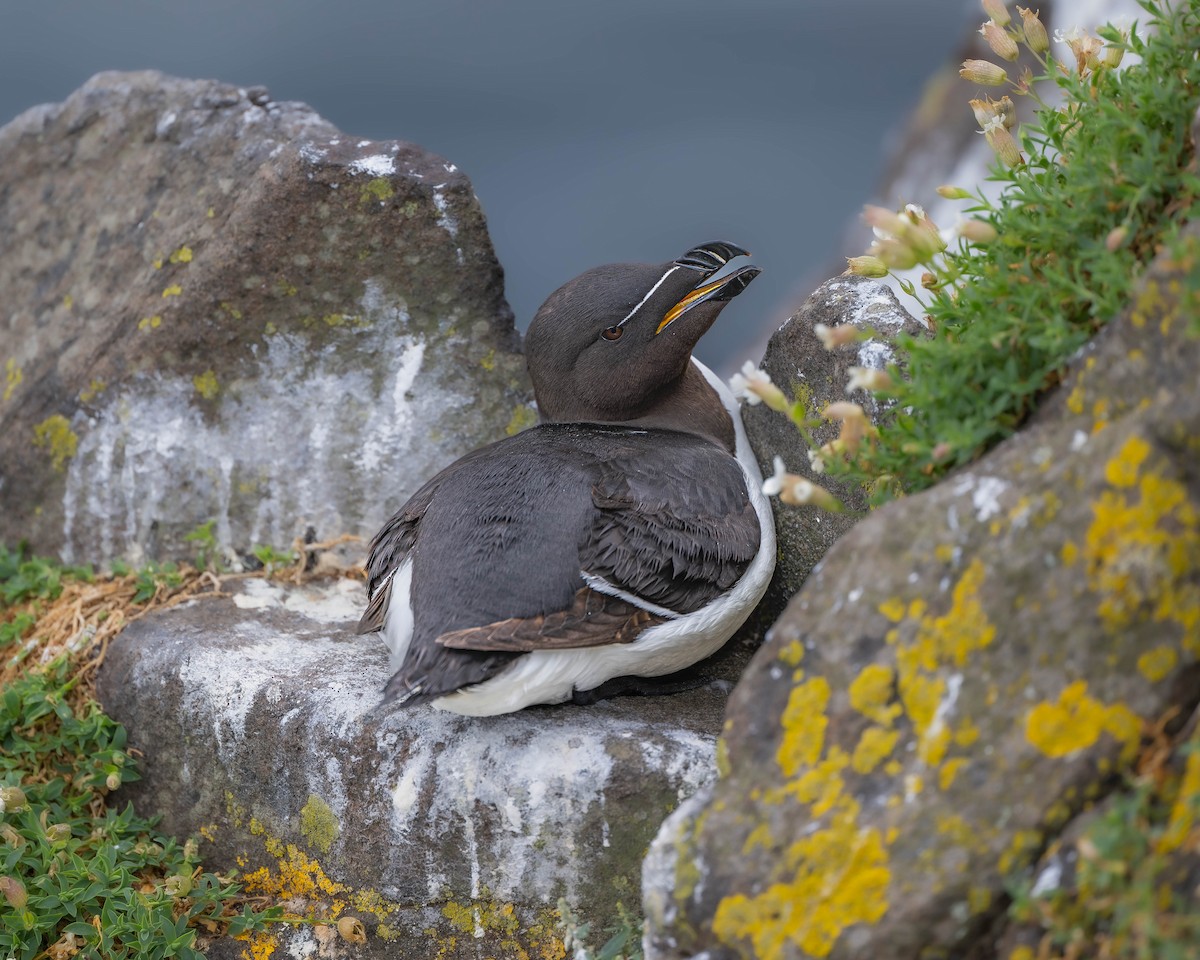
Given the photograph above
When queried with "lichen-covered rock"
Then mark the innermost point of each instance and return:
(800, 365)
(219, 307)
(447, 836)
(961, 676)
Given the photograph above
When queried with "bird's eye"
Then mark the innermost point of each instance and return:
(613, 333)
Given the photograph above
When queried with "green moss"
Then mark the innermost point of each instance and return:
(54, 434)
(379, 189)
(206, 384)
(12, 378)
(318, 825)
(523, 417)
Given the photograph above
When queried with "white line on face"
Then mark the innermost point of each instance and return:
(648, 295)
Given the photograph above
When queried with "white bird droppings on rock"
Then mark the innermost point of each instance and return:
(376, 165)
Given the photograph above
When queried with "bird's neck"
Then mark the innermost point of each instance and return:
(690, 405)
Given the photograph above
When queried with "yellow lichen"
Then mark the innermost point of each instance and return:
(722, 757)
(92, 390)
(874, 746)
(1186, 807)
(979, 900)
(949, 770)
(1075, 722)
(173, 290)
(182, 255)
(12, 378)
(967, 733)
(871, 694)
(792, 654)
(804, 724)
(150, 323)
(1122, 470)
(1023, 843)
(54, 434)
(523, 417)
(206, 384)
(821, 787)
(840, 878)
(893, 608)
(1158, 663)
(1142, 549)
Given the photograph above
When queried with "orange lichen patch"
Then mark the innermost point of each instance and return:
(296, 877)
(1184, 812)
(871, 694)
(840, 878)
(874, 746)
(1158, 663)
(804, 724)
(1076, 721)
(261, 946)
(1142, 549)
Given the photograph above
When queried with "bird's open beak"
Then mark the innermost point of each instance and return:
(709, 258)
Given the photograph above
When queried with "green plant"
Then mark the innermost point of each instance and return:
(209, 551)
(272, 559)
(150, 578)
(1099, 182)
(26, 577)
(1129, 897)
(624, 942)
(75, 875)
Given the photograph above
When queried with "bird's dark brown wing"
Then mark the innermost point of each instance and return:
(676, 531)
(592, 620)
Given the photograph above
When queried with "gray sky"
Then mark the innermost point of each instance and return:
(593, 132)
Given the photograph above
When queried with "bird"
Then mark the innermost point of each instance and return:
(624, 537)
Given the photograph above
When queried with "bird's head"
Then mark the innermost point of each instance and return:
(609, 345)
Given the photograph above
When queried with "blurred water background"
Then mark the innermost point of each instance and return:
(593, 132)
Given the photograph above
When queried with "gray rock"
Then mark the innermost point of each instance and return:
(219, 307)
(448, 836)
(800, 365)
(960, 677)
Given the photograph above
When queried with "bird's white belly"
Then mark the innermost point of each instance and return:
(551, 676)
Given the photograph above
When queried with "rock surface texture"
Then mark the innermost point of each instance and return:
(217, 306)
(960, 678)
(800, 365)
(447, 836)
